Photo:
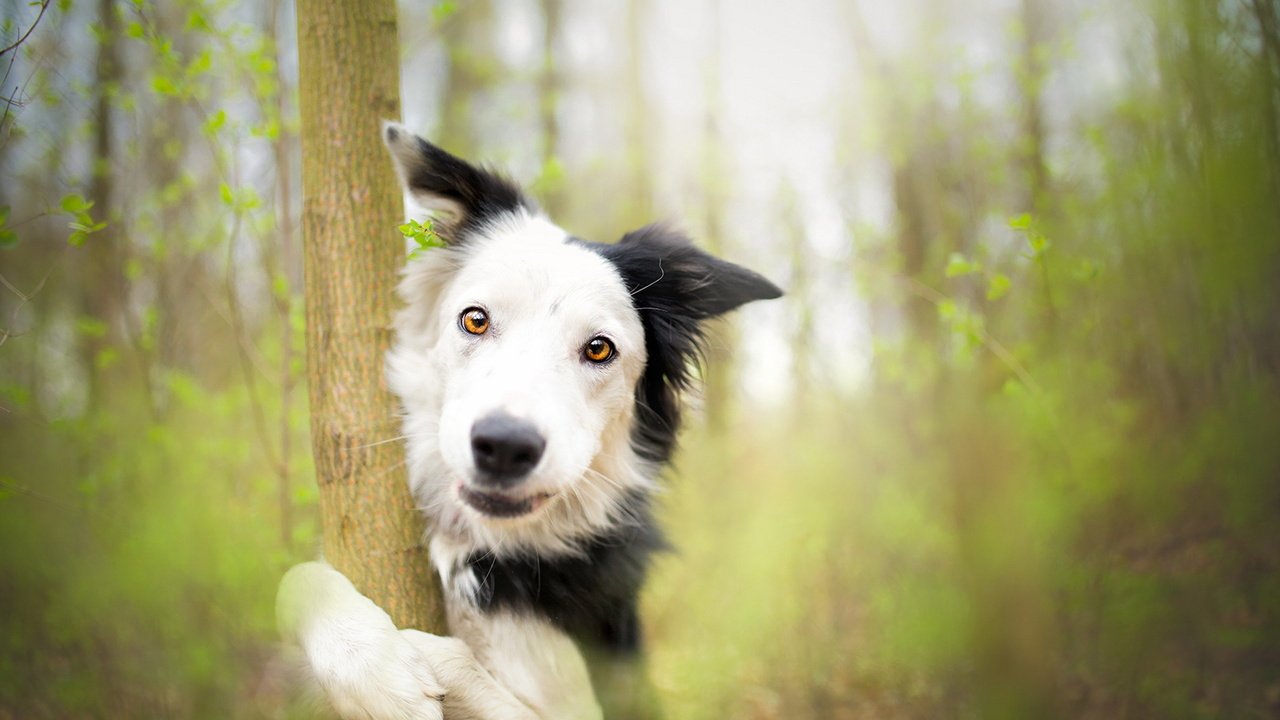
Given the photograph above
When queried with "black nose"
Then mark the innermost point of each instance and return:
(505, 448)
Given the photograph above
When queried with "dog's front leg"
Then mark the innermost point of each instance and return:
(365, 667)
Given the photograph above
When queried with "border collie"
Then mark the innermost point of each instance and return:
(541, 378)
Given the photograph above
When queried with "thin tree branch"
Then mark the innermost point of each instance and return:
(43, 6)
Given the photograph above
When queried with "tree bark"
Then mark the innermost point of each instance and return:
(349, 81)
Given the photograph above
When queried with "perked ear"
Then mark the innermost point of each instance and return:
(463, 195)
(674, 287)
(666, 265)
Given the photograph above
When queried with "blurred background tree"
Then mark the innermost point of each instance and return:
(1005, 450)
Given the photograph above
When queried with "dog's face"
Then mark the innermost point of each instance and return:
(539, 352)
(540, 374)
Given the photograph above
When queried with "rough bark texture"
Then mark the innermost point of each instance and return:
(349, 81)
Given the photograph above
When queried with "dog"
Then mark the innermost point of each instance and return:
(541, 378)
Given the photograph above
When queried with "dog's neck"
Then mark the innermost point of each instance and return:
(591, 593)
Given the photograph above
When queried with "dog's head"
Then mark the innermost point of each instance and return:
(541, 374)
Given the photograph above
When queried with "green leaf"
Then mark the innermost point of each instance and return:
(1038, 242)
(4, 215)
(442, 11)
(215, 122)
(201, 64)
(90, 326)
(998, 286)
(106, 358)
(164, 85)
(74, 203)
(8, 238)
(228, 197)
(958, 265)
(1020, 222)
(423, 235)
(197, 21)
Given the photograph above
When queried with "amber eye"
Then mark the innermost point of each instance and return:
(599, 350)
(474, 320)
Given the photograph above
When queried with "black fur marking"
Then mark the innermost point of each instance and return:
(591, 596)
(674, 286)
(481, 193)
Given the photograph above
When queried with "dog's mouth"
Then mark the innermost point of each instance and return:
(501, 505)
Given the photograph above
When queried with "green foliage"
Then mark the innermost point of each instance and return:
(149, 567)
(8, 237)
(82, 224)
(442, 11)
(153, 425)
(422, 235)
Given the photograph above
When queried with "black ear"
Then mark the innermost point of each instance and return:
(463, 195)
(665, 265)
(674, 287)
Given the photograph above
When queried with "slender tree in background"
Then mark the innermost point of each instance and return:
(639, 152)
(285, 263)
(348, 82)
(799, 289)
(719, 371)
(102, 285)
(550, 86)
(471, 72)
(1032, 77)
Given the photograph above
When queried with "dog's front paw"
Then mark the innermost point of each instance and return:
(366, 668)
(379, 678)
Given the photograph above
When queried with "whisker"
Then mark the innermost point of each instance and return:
(662, 274)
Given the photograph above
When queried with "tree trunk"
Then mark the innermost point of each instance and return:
(470, 73)
(1033, 78)
(349, 81)
(102, 283)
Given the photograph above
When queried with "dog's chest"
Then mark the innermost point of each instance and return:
(590, 596)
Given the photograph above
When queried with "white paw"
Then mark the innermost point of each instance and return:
(367, 669)
(388, 679)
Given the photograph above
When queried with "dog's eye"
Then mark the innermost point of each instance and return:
(474, 320)
(598, 350)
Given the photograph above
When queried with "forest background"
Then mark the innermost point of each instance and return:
(1008, 447)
